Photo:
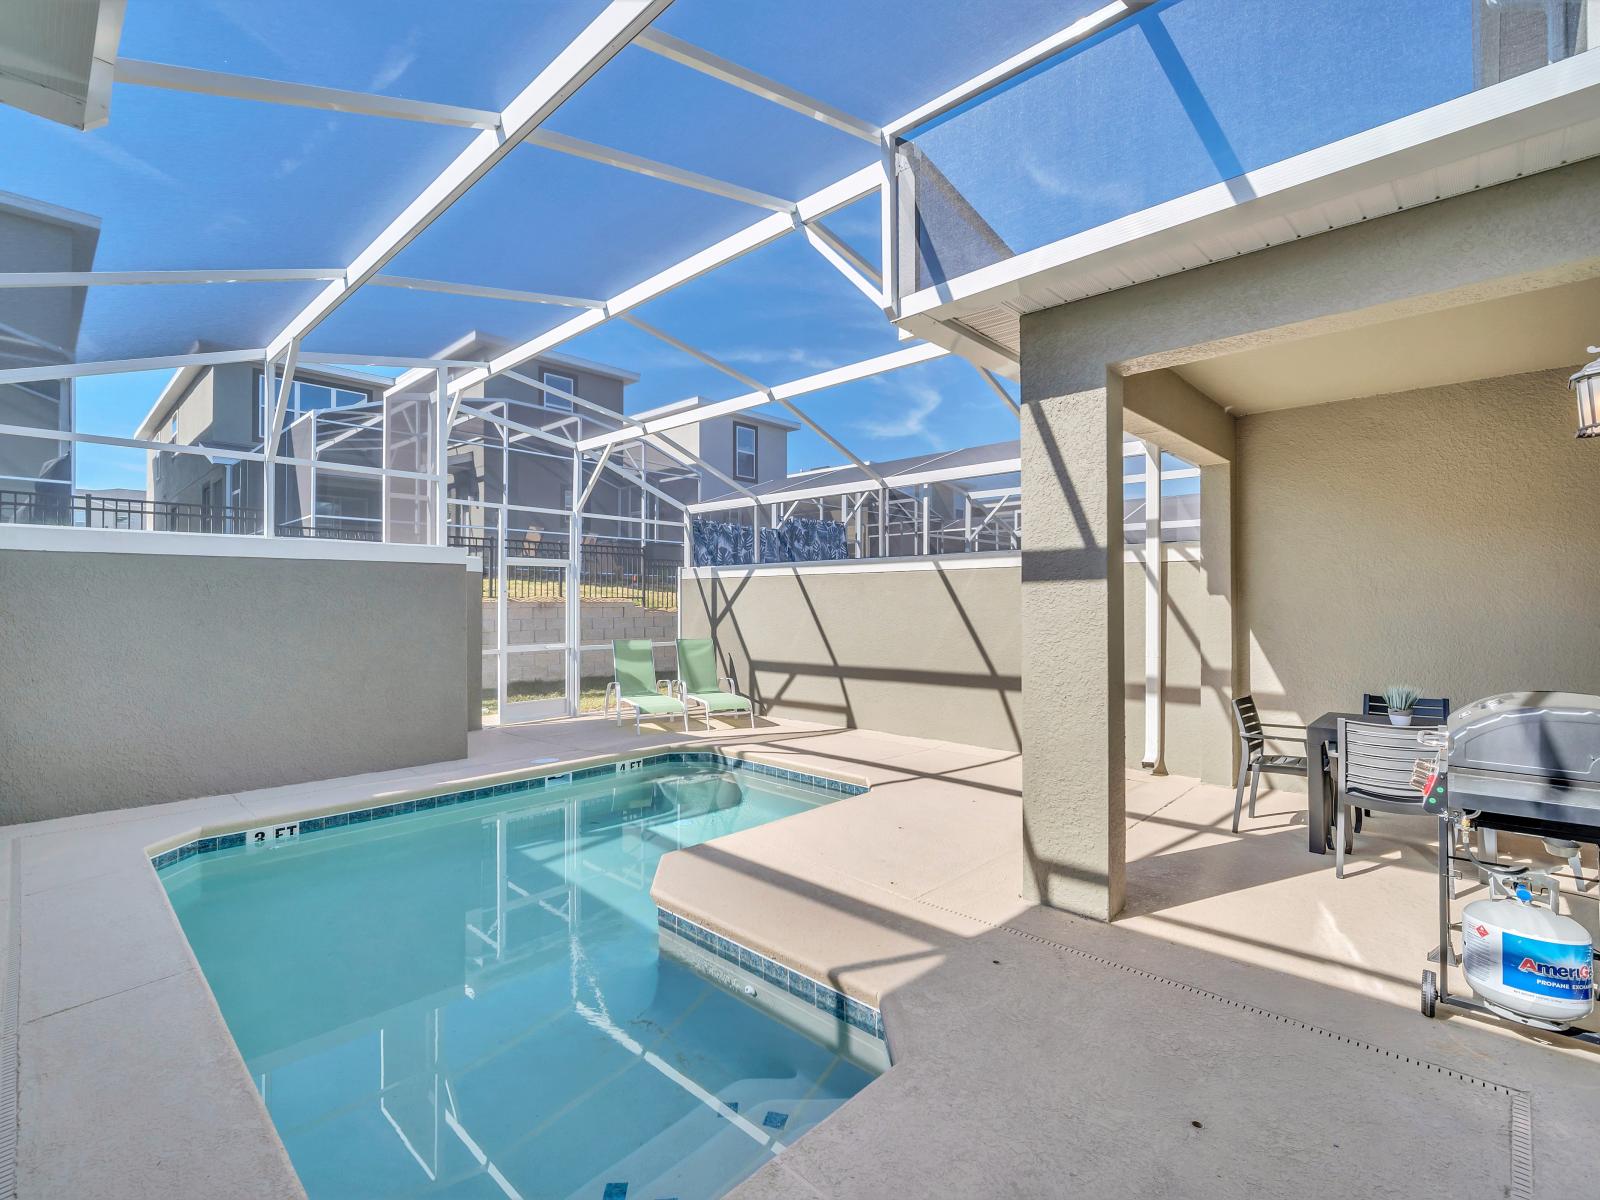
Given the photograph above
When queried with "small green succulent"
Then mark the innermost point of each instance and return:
(1400, 697)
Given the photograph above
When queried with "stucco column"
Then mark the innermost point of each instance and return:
(1073, 737)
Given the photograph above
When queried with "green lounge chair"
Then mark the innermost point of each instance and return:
(634, 685)
(700, 685)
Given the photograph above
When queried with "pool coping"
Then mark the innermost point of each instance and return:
(87, 851)
(204, 839)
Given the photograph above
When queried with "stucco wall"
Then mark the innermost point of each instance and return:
(933, 653)
(882, 680)
(1443, 537)
(1191, 676)
(136, 678)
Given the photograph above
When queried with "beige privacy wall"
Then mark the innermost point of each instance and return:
(1447, 537)
(135, 678)
(935, 652)
(929, 651)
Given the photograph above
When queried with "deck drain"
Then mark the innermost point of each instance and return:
(10, 1006)
(1521, 1109)
(1521, 1116)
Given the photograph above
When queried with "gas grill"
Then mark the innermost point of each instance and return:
(1527, 761)
(1523, 762)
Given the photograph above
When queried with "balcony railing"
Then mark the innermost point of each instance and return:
(85, 510)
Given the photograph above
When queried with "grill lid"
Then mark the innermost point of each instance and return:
(1547, 735)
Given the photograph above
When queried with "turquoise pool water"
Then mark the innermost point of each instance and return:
(472, 1001)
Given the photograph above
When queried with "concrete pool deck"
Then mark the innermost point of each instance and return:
(128, 1082)
(1249, 1027)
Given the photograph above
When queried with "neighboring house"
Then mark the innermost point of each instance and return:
(113, 508)
(337, 416)
(1513, 37)
(221, 408)
(747, 448)
(494, 464)
(750, 449)
(39, 327)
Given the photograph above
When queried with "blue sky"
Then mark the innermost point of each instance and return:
(184, 181)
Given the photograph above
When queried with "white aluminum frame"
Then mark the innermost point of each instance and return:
(617, 25)
(621, 22)
(689, 55)
(1155, 617)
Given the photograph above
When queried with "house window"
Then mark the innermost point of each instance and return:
(304, 398)
(744, 451)
(567, 384)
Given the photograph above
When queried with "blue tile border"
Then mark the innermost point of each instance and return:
(820, 996)
(380, 812)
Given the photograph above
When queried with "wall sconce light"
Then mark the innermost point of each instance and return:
(1586, 383)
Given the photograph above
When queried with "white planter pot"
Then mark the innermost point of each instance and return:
(1399, 718)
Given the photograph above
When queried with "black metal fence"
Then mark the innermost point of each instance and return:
(610, 572)
(85, 509)
(617, 572)
(92, 511)
(336, 529)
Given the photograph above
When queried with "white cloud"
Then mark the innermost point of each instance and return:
(919, 401)
(396, 62)
(117, 155)
(774, 356)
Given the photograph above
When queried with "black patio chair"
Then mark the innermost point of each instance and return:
(1254, 761)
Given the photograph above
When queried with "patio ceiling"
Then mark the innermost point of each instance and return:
(1529, 331)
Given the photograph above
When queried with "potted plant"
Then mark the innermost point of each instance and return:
(1399, 699)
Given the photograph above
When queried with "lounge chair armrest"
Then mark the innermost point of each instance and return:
(613, 696)
(726, 684)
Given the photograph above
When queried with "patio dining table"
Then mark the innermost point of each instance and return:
(1320, 735)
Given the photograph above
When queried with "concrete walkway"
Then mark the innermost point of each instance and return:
(1249, 1028)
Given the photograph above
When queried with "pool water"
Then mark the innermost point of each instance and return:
(472, 1001)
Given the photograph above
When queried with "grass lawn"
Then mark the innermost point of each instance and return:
(591, 698)
(589, 593)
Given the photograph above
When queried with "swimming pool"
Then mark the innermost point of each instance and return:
(472, 1000)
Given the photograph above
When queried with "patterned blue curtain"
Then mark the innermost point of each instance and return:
(808, 540)
(774, 546)
(723, 544)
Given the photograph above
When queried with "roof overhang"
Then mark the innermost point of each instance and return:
(476, 344)
(1536, 122)
(58, 57)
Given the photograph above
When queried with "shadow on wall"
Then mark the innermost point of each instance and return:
(1484, 584)
(927, 652)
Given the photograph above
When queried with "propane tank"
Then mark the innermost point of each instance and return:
(1526, 960)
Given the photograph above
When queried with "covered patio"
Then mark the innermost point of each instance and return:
(1391, 492)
